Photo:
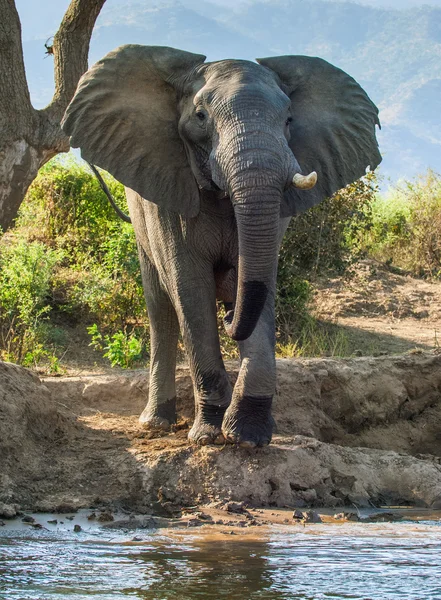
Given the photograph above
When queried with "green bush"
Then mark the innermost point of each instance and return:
(88, 270)
(99, 279)
(406, 227)
(325, 240)
(26, 270)
(122, 350)
(89, 274)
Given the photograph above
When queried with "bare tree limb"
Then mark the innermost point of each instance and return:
(15, 102)
(71, 50)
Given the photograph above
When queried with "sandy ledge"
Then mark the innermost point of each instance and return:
(359, 433)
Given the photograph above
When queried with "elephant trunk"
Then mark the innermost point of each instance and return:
(257, 218)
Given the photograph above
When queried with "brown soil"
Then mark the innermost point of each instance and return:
(361, 432)
(380, 310)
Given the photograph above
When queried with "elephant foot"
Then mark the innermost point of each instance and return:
(248, 422)
(206, 428)
(159, 417)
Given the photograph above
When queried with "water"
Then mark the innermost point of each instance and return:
(381, 562)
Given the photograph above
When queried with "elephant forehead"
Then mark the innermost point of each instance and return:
(228, 80)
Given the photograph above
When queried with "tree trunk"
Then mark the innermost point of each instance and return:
(29, 137)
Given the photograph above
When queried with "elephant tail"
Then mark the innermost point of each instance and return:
(122, 215)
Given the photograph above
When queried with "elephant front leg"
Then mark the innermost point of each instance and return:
(248, 421)
(196, 309)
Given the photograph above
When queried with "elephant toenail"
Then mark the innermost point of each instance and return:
(247, 444)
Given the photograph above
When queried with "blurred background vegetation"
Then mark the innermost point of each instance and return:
(70, 282)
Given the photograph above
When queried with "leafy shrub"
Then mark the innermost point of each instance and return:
(65, 206)
(100, 278)
(406, 227)
(26, 269)
(324, 240)
(121, 349)
(92, 273)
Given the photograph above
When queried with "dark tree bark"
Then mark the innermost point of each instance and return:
(29, 137)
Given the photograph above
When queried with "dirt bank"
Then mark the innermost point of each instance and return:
(362, 432)
(378, 310)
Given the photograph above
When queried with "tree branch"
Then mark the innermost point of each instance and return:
(71, 49)
(15, 102)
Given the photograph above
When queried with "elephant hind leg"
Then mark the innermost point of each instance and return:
(160, 411)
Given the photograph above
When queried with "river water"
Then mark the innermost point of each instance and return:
(360, 561)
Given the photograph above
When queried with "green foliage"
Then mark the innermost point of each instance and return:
(100, 276)
(87, 266)
(26, 269)
(406, 227)
(121, 349)
(317, 241)
(322, 241)
(65, 206)
(71, 259)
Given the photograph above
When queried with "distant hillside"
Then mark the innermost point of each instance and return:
(395, 55)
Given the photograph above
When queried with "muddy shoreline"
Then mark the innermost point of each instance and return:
(361, 433)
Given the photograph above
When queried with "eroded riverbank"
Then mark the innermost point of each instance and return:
(356, 432)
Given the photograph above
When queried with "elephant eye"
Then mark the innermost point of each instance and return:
(200, 115)
(288, 120)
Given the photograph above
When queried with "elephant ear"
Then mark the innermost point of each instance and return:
(333, 126)
(124, 118)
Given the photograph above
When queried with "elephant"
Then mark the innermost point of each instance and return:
(216, 157)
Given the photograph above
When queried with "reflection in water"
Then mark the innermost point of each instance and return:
(394, 561)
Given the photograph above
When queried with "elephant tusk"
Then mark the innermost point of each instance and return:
(304, 182)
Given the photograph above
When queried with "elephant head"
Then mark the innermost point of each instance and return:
(168, 125)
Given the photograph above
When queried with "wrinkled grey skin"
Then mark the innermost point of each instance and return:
(208, 153)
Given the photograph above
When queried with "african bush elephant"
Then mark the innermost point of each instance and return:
(212, 156)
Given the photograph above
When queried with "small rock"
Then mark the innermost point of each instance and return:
(91, 517)
(286, 520)
(36, 525)
(9, 511)
(105, 517)
(194, 523)
(205, 517)
(311, 516)
(2, 523)
(53, 522)
(71, 518)
(297, 514)
(136, 539)
(235, 507)
(347, 516)
(77, 528)
(28, 519)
